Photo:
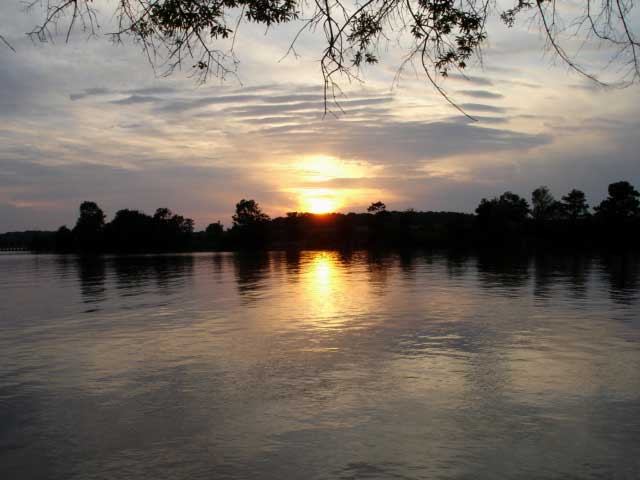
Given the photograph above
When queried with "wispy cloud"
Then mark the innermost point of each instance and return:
(480, 94)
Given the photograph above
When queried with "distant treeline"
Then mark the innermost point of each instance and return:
(504, 221)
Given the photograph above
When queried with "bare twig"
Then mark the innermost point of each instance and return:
(7, 44)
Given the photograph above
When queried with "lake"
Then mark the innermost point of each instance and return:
(320, 365)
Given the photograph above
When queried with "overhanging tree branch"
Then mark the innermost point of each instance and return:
(443, 34)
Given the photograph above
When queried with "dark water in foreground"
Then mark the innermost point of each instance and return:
(319, 366)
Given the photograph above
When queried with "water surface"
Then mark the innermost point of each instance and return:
(319, 365)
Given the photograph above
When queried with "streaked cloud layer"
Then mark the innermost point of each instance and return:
(88, 120)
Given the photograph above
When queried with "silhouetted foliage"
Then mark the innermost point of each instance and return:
(171, 231)
(622, 202)
(64, 239)
(377, 207)
(618, 216)
(29, 240)
(575, 206)
(548, 215)
(248, 213)
(543, 206)
(214, 234)
(503, 218)
(503, 222)
(509, 206)
(363, 230)
(250, 225)
(88, 231)
(130, 230)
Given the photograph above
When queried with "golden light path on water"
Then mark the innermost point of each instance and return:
(323, 290)
(324, 273)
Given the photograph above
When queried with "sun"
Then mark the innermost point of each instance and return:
(317, 172)
(320, 204)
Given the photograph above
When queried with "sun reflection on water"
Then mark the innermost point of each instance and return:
(324, 289)
(323, 273)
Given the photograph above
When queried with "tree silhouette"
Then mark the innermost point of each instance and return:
(63, 239)
(248, 213)
(621, 203)
(214, 234)
(438, 36)
(250, 225)
(172, 231)
(574, 205)
(88, 229)
(91, 217)
(508, 206)
(214, 230)
(543, 205)
(130, 230)
(162, 214)
(502, 218)
(502, 221)
(377, 207)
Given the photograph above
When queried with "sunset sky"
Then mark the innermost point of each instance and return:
(91, 121)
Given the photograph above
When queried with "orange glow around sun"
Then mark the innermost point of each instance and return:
(322, 168)
(319, 204)
(318, 168)
(316, 192)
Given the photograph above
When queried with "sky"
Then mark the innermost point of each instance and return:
(89, 120)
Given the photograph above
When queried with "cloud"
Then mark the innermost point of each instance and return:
(157, 90)
(266, 105)
(90, 92)
(135, 99)
(272, 120)
(480, 94)
(398, 142)
(183, 105)
(293, 98)
(472, 79)
(479, 107)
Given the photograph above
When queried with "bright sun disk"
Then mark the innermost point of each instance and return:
(320, 204)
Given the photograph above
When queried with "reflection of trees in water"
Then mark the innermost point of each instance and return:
(278, 267)
(217, 267)
(622, 272)
(543, 275)
(251, 271)
(292, 265)
(217, 260)
(511, 272)
(407, 263)
(577, 269)
(219, 264)
(132, 274)
(346, 258)
(379, 264)
(92, 273)
(570, 270)
(173, 272)
(457, 264)
(508, 271)
(135, 273)
(66, 266)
